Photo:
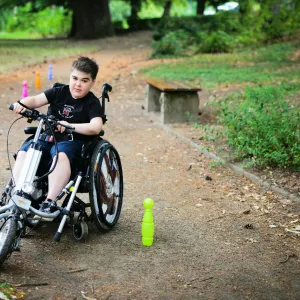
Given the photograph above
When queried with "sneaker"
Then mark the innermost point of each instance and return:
(48, 206)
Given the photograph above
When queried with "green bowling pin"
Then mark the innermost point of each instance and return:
(148, 223)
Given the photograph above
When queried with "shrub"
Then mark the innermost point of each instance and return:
(120, 10)
(216, 42)
(285, 23)
(21, 19)
(261, 125)
(53, 21)
(225, 21)
(172, 44)
(227, 31)
(50, 21)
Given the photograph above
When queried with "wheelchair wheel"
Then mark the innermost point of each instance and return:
(80, 231)
(106, 186)
(8, 233)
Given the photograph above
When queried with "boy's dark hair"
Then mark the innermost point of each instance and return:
(86, 65)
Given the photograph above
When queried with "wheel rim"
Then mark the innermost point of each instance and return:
(109, 192)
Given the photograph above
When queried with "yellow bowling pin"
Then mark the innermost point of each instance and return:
(148, 223)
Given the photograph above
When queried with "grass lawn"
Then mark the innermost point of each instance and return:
(269, 64)
(16, 53)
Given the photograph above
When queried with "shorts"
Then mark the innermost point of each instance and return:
(71, 148)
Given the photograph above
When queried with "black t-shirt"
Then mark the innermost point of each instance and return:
(64, 107)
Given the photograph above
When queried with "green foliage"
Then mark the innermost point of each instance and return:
(11, 292)
(5, 14)
(228, 31)
(21, 19)
(217, 42)
(209, 133)
(212, 34)
(174, 43)
(262, 125)
(226, 21)
(150, 10)
(119, 10)
(51, 21)
(154, 9)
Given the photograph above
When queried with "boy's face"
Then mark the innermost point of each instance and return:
(80, 84)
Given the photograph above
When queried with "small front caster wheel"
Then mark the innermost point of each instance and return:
(80, 231)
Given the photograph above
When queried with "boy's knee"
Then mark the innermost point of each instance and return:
(62, 157)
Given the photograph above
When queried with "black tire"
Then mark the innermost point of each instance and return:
(8, 233)
(106, 186)
(80, 231)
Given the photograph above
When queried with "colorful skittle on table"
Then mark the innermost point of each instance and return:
(24, 90)
(50, 77)
(148, 223)
(37, 80)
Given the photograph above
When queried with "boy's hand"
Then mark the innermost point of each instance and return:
(18, 108)
(60, 128)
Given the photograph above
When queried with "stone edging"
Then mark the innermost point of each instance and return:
(233, 167)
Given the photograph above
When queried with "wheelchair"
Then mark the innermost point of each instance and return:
(97, 173)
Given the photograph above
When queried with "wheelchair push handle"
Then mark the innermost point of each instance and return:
(106, 88)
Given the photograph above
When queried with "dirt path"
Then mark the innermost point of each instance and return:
(214, 239)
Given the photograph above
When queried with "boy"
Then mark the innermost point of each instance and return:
(74, 105)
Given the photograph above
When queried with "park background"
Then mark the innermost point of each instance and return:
(250, 51)
(251, 45)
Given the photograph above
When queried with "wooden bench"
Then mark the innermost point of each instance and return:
(176, 102)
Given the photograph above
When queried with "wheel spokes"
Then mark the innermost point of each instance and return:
(110, 185)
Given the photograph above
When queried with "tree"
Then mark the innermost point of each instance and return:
(135, 8)
(200, 7)
(91, 19)
(167, 9)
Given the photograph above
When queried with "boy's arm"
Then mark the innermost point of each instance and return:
(92, 128)
(32, 102)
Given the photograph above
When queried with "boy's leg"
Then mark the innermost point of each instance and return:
(60, 176)
(69, 152)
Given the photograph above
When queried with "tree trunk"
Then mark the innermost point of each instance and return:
(167, 9)
(91, 19)
(200, 7)
(135, 8)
